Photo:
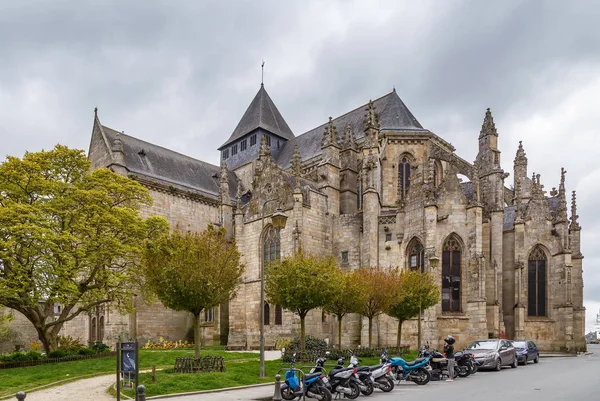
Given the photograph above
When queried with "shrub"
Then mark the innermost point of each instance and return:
(100, 348)
(17, 356)
(312, 344)
(57, 353)
(69, 344)
(35, 346)
(33, 355)
(86, 351)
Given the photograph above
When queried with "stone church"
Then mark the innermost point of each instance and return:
(373, 188)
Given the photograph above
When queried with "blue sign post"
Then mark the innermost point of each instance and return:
(127, 366)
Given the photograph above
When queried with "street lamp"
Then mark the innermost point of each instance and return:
(278, 219)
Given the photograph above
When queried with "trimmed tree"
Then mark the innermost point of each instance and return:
(378, 288)
(416, 291)
(68, 236)
(193, 272)
(301, 283)
(345, 300)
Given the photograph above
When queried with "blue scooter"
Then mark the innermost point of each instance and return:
(416, 371)
(310, 385)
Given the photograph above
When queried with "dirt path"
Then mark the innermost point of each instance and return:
(92, 389)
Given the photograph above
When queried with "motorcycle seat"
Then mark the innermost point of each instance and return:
(363, 369)
(437, 360)
(416, 361)
(375, 367)
(311, 375)
(335, 371)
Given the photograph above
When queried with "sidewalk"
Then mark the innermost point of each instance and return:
(262, 393)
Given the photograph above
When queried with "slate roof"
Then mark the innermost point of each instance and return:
(393, 116)
(155, 162)
(262, 113)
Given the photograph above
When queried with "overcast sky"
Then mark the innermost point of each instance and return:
(181, 74)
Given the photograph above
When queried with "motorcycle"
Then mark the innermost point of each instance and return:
(462, 363)
(312, 385)
(364, 376)
(416, 371)
(341, 380)
(437, 362)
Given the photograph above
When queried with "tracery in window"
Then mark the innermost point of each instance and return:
(536, 282)
(451, 275)
(403, 176)
(416, 255)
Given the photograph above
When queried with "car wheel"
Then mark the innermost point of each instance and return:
(537, 359)
(515, 363)
(498, 365)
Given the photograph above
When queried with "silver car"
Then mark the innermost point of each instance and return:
(493, 354)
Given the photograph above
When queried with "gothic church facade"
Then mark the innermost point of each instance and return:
(373, 188)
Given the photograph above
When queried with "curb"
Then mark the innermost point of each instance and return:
(558, 355)
(217, 390)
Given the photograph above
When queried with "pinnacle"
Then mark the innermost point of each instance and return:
(488, 127)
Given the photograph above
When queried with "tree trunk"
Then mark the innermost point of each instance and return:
(48, 339)
(302, 334)
(399, 338)
(197, 336)
(339, 332)
(370, 331)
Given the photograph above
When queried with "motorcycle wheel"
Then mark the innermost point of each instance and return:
(325, 394)
(464, 371)
(474, 367)
(387, 384)
(369, 387)
(287, 393)
(421, 376)
(355, 391)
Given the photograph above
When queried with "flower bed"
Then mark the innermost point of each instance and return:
(164, 344)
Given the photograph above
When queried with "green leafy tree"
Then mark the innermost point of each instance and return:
(5, 319)
(378, 289)
(68, 236)
(416, 291)
(301, 283)
(345, 300)
(193, 272)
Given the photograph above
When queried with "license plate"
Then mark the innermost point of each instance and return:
(325, 380)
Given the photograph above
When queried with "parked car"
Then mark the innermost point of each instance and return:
(526, 351)
(493, 354)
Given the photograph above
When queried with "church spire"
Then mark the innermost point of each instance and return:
(488, 127)
(330, 135)
(561, 215)
(574, 226)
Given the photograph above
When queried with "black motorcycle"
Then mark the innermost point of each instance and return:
(462, 363)
(341, 380)
(438, 364)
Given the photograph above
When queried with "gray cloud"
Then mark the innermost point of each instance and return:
(181, 74)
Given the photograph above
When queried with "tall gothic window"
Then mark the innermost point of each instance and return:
(451, 258)
(93, 330)
(536, 282)
(278, 315)
(101, 329)
(271, 253)
(271, 246)
(437, 173)
(403, 177)
(416, 255)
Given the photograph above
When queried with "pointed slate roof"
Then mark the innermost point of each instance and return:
(262, 113)
(393, 116)
(167, 166)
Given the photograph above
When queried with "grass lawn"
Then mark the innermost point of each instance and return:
(20, 379)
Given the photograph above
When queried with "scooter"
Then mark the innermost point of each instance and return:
(379, 374)
(363, 374)
(415, 371)
(341, 380)
(311, 385)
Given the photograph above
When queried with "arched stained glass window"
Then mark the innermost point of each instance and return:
(416, 255)
(451, 275)
(403, 177)
(536, 282)
(271, 246)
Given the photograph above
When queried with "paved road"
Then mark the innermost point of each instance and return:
(553, 379)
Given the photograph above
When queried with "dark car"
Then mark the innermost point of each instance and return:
(526, 351)
(493, 354)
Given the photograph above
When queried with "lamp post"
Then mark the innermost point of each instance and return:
(278, 219)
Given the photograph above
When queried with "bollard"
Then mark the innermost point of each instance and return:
(21, 396)
(277, 393)
(141, 393)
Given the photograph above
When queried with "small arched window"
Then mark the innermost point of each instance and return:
(278, 315)
(101, 329)
(437, 173)
(93, 330)
(267, 314)
(416, 255)
(536, 282)
(451, 275)
(403, 176)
